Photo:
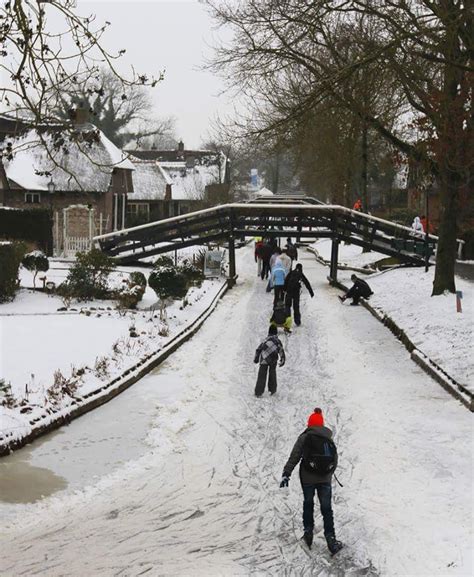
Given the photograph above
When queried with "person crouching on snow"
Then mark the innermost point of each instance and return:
(359, 289)
(267, 354)
(281, 316)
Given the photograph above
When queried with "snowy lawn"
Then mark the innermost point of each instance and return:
(349, 254)
(82, 348)
(432, 323)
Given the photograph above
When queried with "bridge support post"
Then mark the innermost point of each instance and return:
(334, 259)
(232, 277)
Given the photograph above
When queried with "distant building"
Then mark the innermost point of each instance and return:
(85, 186)
(192, 178)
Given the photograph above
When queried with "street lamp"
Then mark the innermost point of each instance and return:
(427, 224)
(51, 191)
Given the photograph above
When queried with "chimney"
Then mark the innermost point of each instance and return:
(180, 146)
(81, 115)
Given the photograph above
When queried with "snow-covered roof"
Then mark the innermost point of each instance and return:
(190, 183)
(264, 192)
(84, 165)
(149, 181)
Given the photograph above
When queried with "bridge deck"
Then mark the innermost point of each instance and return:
(275, 219)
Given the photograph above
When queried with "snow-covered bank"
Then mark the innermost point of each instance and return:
(205, 499)
(60, 363)
(432, 323)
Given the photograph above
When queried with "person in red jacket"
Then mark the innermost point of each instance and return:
(357, 205)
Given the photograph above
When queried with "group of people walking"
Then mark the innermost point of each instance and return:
(314, 448)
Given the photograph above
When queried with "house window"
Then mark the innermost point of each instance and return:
(140, 211)
(32, 198)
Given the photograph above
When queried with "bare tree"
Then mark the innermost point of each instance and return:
(292, 49)
(40, 65)
(123, 113)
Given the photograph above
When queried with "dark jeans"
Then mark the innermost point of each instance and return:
(265, 269)
(293, 300)
(324, 491)
(279, 292)
(355, 293)
(262, 379)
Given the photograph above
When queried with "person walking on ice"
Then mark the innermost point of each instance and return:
(267, 354)
(293, 289)
(317, 454)
(359, 289)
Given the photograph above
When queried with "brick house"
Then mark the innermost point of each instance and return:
(186, 180)
(151, 196)
(91, 179)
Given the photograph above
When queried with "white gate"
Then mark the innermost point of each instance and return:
(73, 244)
(78, 229)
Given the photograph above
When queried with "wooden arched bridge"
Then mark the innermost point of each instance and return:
(286, 217)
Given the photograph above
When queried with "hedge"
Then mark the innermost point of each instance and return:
(29, 224)
(10, 258)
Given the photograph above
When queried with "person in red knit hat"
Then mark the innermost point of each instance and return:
(317, 454)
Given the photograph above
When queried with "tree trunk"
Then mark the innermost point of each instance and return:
(365, 161)
(446, 250)
(4, 184)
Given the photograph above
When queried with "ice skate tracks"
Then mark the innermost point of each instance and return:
(205, 500)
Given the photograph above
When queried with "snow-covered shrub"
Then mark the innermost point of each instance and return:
(101, 367)
(138, 278)
(66, 292)
(10, 258)
(168, 283)
(88, 276)
(163, 260)
(193, 274)
(6, 396)
(61, 387)
(129, 296)
(35, 262)
(164, 329)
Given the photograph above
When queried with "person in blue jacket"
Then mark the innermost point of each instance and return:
(278, 281)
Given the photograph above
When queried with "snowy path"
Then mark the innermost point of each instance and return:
(205, 499)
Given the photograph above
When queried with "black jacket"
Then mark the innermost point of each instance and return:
(306, 476)
(293, 283)
(362, 288)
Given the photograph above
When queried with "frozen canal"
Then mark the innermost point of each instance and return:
(180, 474)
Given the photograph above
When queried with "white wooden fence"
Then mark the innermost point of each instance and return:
(73, 244)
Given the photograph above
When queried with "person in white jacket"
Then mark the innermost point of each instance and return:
(417, 225)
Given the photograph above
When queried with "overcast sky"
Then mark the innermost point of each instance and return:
(167, 35)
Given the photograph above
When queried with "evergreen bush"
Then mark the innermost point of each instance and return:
(10, 258)
(168, 282)
(192, 273)
(30, 224)
(35, 262)
(87, 278)
(138, 278)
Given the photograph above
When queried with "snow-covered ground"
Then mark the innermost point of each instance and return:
(432, 323)
(205, 498)
(90, 344)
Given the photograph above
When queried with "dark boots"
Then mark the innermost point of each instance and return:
(333, 544)
(308, 538)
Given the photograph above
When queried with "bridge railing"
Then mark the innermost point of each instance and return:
(251, 219)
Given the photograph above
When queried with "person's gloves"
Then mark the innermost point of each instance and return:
(312, 295)
(255, 360)
(281, 363)
(284, 481)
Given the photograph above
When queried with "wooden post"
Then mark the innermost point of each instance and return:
(334, 258)
(231, 261)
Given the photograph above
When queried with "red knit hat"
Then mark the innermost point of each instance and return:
(316, 419)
